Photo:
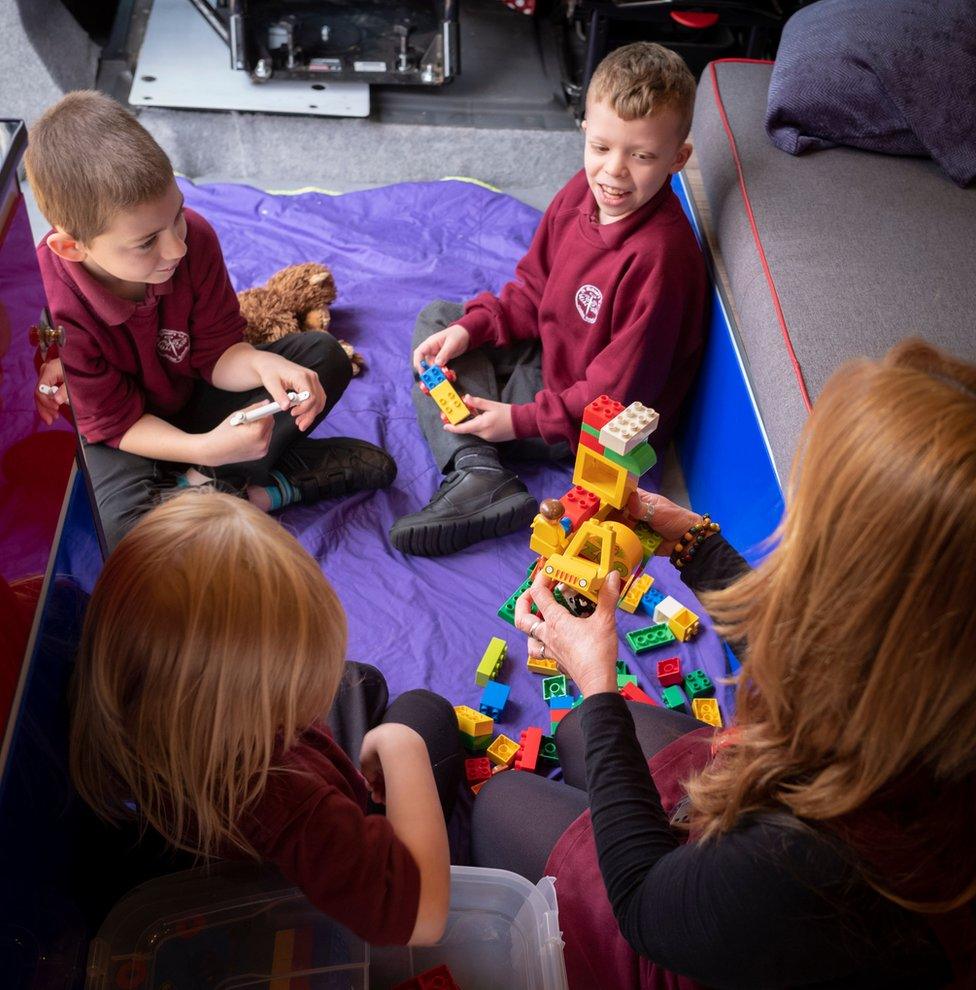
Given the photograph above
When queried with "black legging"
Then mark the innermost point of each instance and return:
(518, 817)
(362, 704)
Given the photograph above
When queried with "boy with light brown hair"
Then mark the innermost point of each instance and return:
(609, 299)
(154, 352)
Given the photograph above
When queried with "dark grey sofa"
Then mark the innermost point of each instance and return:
(845, 251)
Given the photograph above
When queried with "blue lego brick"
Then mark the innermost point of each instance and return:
(493, 699)
(652, 597)
(561, 701)
(431, 375)
(642, 640)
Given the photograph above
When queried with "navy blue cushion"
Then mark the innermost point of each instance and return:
(895, 76)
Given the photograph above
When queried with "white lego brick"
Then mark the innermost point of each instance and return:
(629, 428)
(667, 608)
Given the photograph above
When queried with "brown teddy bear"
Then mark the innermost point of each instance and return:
(295, 299)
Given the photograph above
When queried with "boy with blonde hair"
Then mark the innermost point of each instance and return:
(154, 351)
(609, 299)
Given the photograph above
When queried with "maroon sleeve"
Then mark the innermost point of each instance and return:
(514, 313)
(350, 865)
(215, 321)
(105, 402)
(650, 309)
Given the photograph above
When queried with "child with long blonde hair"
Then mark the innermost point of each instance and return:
(213, 649)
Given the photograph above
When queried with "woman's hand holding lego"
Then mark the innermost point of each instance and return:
(280, 376)
(584, 648)
(441, 347)
(491, 421)
(663, 516)
(51, 375)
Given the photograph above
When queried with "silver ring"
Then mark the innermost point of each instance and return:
(648, 513)
(535, 625)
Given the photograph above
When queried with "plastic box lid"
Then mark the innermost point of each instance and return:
(235, 925)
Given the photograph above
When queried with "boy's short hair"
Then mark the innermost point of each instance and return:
(642, 79)
(88, 159)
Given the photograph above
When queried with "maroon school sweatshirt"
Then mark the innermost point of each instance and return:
(123, 359)
(619, 309)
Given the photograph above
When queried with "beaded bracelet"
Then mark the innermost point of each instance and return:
(688, 545)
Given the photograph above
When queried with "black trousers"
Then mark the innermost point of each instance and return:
(127, 486)
(503, 374)
(500, 835)
(362, 704)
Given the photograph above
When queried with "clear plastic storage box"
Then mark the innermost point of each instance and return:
(236, 926)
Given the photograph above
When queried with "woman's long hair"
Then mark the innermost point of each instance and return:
(859, 628)
(211, 640)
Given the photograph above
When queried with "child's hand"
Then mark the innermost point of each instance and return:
(492, 420)
(378, 746)
(51, 376)
(441, 347)
(663, 516)
(280, 376)
(227, 444)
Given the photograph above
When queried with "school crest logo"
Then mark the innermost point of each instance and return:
(173, 345)
(588, 300)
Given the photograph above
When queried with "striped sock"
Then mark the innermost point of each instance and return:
(282, 492)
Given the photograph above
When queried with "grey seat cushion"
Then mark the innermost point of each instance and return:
(862, 250)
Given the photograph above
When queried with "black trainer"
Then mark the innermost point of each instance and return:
(469, 506)
(335, 466)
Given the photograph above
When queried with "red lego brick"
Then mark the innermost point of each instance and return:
(669, 671)
(477, 769)
(528, 755)
(600, 411)
(588, 440)
(438, 978)
(579, 505)
(633, 693)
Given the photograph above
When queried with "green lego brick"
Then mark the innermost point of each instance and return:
(642, 458)
(650, 540)
(698, 684)
(642, 640)
(623, 679)
(578, 701)
(673, 698)
(558, 595)
(554, 687)
(476, 744)
(547, 749)
(592, 430)
(622, 667)
(507, 611)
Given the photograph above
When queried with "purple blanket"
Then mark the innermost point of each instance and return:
(423, 622)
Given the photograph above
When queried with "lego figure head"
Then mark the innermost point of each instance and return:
(638, 115)
(108, 189)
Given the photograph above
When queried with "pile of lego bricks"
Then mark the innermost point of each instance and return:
(423, 622)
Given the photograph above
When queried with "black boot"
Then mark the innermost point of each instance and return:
(334, 467)
(470, 505)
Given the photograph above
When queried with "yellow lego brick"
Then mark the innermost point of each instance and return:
(638, 588)
(502, 751)
(449, 402)
(542, 665)
(684, 625)
(472, 723)
(707, 710)
(608, 481)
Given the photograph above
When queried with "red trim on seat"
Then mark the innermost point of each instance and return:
(691, 19)
(805, 395)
